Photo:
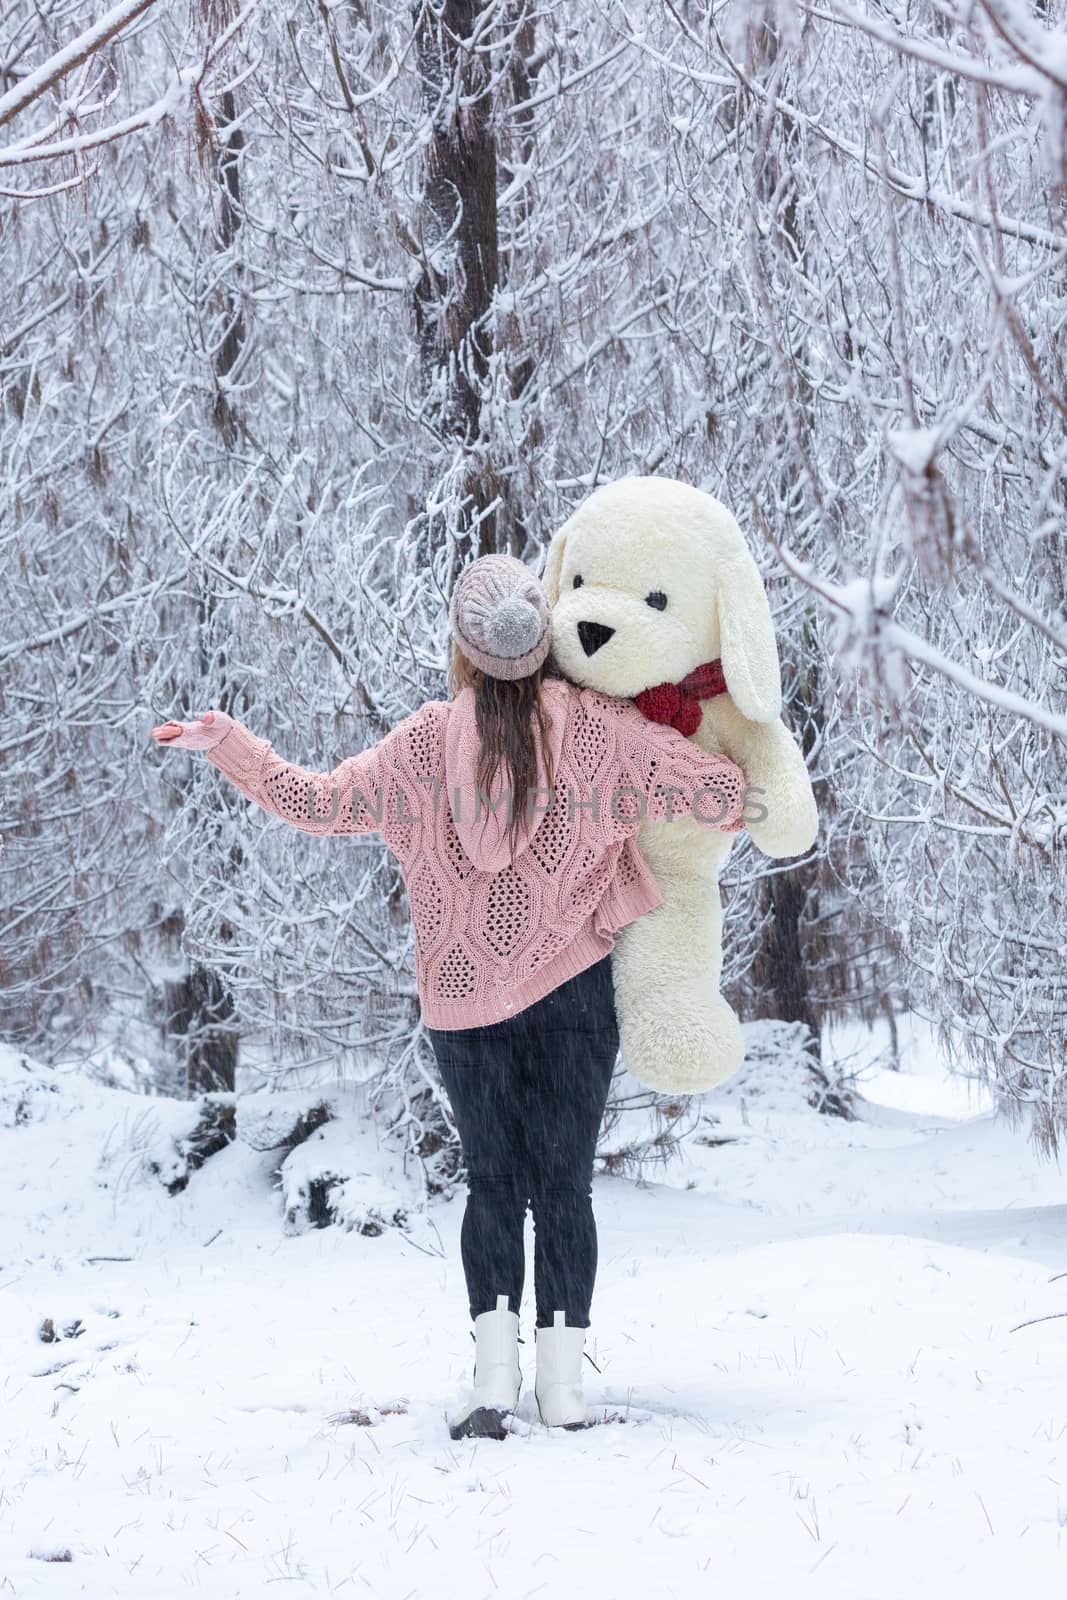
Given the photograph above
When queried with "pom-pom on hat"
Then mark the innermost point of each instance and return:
(500, 617)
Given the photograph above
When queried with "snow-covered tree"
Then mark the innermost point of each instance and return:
(386, 286)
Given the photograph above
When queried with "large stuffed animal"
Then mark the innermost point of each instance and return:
(655, 597)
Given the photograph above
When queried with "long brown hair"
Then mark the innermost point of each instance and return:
(506, 710)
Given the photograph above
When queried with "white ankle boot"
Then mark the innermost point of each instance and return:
(558, 1386)
(497, 1376)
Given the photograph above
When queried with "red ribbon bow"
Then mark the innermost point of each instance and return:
(679, 703)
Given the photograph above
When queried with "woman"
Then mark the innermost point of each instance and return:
(518, 878)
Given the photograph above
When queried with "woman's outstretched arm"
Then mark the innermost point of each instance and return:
(357, 796)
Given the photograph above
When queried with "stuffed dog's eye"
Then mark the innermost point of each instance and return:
(577, 580)
(657, 600)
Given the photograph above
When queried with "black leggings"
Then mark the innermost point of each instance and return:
(528, 1097)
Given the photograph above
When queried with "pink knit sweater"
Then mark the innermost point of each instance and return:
(493, 935)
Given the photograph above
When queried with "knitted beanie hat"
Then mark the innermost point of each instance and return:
(500, 616)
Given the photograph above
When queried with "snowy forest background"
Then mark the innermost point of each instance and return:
(306, 303)
(303, 303)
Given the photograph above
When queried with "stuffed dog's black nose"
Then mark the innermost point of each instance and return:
(593, 635)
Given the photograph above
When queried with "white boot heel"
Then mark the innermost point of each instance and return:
(497, 1376)
(558, 1385)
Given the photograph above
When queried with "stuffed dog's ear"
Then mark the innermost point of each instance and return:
(747, 646)
(554, 565)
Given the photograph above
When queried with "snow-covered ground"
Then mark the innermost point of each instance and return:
(806, 1335)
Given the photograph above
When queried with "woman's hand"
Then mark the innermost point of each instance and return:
(208, 729)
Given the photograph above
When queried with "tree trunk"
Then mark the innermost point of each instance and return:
(199, 1010)
(783, 964)
(454, 295)
(199, 1006)
(228, 174)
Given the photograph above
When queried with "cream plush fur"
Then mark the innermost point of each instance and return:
(630, 538)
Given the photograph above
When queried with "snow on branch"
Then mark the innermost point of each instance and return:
(1016, 77)
(79, 50)
(910, 185)
(864, 624)
(41, 146)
